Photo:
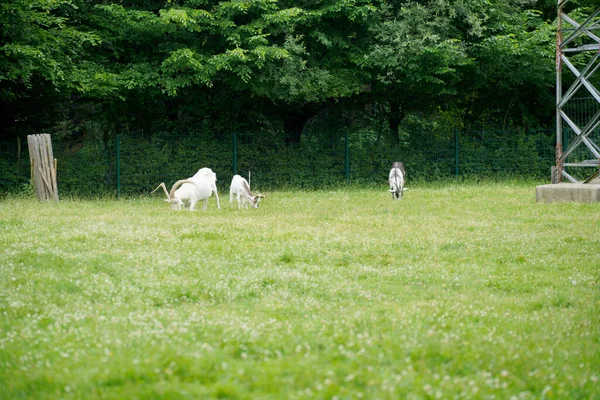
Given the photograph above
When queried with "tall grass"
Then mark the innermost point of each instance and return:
(457, 291)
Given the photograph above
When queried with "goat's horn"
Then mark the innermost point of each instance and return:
(246, 186)
(177, 184)
(162, 184)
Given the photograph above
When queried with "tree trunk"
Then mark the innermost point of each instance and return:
(293, 125)
(396, 116)
(172, 109)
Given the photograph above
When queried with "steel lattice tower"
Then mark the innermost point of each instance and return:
(577, 49)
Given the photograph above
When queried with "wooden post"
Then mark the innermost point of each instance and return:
(33, 157)
(43, 166)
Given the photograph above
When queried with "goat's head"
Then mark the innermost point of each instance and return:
(253, 200)
(175, 201)
(397, 192)
(171, 198)
(257, 199)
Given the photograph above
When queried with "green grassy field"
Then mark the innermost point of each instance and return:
(457, 291)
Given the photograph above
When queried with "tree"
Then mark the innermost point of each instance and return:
(414, 59)
(182, 65)
(40, 62)
(465, 56)
(512, 77)
(295, 56)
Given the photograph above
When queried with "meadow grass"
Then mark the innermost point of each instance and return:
(457, 291)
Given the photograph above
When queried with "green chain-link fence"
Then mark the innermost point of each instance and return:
(134, 164)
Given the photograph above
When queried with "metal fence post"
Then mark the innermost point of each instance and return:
(234, 153)
(118, 148)
(346, 157)
(456, 153)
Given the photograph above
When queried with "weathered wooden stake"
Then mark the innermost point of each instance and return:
(43, 166)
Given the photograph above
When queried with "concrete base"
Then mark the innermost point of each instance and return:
(564, 192)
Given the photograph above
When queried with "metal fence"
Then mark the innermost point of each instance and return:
(134, 164)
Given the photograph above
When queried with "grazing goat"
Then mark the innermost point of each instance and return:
(396, 180)
(199, 187)
(241, 189)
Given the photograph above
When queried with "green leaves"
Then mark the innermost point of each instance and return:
(181, 69)
(188, 18)
(38, 43)
(287, 54)
(184, 67)
(416, 52)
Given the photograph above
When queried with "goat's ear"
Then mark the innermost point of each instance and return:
(392, 191)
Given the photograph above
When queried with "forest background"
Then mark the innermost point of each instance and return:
(391, 71)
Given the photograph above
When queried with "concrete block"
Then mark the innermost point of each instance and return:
(568, 192)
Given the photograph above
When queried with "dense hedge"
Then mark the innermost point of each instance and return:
(317, 161)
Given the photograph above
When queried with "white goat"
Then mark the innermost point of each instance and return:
(241, 189)
(207, 173)
(396, 180)
(199, 187)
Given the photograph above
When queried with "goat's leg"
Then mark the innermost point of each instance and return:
(217, 196)
(239, 199)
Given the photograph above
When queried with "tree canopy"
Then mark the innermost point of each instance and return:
(265, 64)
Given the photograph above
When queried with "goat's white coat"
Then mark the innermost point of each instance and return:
(198, 187)
(206, 175)
(191, 193)
(396, 181)
(241, 190)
